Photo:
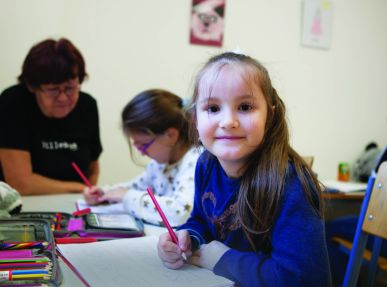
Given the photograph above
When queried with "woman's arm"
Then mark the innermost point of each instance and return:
(94, 172)
(17, 170)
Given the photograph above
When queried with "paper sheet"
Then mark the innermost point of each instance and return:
(133, 262)
(342, 186)
(103, 208)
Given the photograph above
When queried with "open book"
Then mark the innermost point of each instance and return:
(132, 262)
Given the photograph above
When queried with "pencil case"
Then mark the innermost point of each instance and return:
(27, 253)
(89, 225)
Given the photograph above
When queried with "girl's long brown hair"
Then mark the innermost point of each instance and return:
(264, 174)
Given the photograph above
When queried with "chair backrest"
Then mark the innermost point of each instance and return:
(309, 160)
(372, 220)
(375, 221)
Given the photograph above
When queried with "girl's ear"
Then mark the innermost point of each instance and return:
(173, 135)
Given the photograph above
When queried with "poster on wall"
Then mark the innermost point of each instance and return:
(207, 19)
(317, 23)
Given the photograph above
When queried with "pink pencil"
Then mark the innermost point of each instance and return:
(165, 220)
(85, 180)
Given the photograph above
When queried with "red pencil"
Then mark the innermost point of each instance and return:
(165, 220)
(85, 180)
(82, 212)
(70, 240)
(58, 220)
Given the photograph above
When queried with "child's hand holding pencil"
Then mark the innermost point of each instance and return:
(97, 195)
(173, 249)
(93, 195)
(171, 253)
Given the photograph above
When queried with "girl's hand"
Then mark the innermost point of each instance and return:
(113, 195)
(93, 195)
(208, 254)
(170, 253)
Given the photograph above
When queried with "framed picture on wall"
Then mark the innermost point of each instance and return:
(317, 23)
(207, 22)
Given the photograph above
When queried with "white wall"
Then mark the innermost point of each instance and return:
(336, 98)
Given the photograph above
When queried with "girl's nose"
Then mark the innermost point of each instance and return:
(229, 121)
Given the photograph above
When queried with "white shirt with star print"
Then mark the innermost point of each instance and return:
(172, 185)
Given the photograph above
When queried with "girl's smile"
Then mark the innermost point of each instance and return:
(229, 138)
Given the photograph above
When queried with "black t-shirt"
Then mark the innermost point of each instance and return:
(52, 143)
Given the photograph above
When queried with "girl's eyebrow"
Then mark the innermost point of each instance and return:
(207, 100)
(246, 97)
(242, 97)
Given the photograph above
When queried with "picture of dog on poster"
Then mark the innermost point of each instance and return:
(207, 22)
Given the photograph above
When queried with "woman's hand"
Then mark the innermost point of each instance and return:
(208, 254)
(170, 253)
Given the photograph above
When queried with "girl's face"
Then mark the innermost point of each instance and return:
(157, 147)
(231, 120)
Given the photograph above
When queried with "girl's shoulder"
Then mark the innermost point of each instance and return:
(294, 191)
(206, 159)
(292, 185)
(154, 166)
(193, 153)
(209, 166)
(188, 161)
(291, 173)
(205, 165)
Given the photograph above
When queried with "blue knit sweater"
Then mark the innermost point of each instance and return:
(297, 253)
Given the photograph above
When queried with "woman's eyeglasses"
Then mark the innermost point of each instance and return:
(55, 92)
(144, 147)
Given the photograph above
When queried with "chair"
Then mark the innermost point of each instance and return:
(372, 221)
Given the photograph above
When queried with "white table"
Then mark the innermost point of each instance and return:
(66, 203)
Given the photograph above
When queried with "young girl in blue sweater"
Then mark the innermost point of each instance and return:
(257, 208)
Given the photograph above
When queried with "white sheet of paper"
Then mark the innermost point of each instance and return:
(344, 186)
(103, 208)
(133, 262)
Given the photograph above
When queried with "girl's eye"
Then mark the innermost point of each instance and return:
(213, 109)
(245, 107)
